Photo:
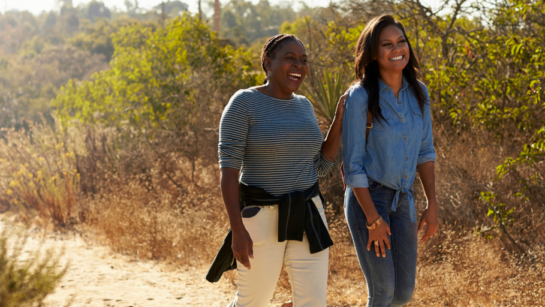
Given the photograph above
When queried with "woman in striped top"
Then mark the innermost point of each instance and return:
(269, 137)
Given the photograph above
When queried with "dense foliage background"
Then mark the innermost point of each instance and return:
(110, 121)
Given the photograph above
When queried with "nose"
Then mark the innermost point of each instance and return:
(297, 63)
(397, 48)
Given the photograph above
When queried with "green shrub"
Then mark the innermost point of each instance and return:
(26, 281)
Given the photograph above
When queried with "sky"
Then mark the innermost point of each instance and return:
(37, 6)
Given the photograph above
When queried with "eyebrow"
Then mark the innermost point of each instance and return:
(304, 54)
(402, 36)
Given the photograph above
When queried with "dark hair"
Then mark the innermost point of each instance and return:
(367, 69)
(270, 47)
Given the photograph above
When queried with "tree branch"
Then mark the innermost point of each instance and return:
(502, 227)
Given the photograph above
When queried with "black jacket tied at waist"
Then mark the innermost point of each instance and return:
(297, 214)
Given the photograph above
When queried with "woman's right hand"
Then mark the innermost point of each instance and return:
(242, 247)
(380, 235)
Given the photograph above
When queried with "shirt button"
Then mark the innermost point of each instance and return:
(406, 158)
(405, 177)
(403, 120)
(405, 138)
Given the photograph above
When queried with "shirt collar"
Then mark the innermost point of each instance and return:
(382, 86)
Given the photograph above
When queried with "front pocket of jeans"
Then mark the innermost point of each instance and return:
(250, 212)
(373, 185)
(258, 224)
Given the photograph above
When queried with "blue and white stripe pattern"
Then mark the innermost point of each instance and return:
(276, 143)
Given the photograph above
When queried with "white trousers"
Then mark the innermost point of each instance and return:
(307, 272)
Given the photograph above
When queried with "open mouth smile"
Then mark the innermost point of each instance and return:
(294, 77)
(398, 58)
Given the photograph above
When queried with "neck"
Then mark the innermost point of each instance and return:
(270, 89)
(393, 80)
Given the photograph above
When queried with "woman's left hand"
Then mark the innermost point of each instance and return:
(429, 217)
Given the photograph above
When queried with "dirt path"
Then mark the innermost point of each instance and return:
(97, 277)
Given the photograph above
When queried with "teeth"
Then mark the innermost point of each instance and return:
(296, 75)
(397, 58)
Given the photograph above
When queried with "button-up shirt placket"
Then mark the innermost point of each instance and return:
(400, 107)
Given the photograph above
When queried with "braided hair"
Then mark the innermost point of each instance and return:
(271, 45)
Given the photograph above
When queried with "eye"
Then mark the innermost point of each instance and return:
(304, 61)
(387, 44)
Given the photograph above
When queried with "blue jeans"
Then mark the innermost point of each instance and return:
(390, 280)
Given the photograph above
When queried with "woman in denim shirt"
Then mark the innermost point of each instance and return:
(379, 170)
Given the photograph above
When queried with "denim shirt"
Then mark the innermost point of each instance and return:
(395, 146)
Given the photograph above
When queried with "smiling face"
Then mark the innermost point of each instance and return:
(393, 50)
(288, 67)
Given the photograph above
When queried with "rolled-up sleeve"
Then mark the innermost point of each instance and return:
(233, 132)
(353, 137)
(322, 165)
(427, 151)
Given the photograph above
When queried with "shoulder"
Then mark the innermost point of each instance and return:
(358, 90)
(242, 98)
(303, 100)
(244, 95)
(357, 95)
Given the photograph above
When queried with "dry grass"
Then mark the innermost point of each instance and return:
(156, 225)
(167, 206)
(38, 173)
(471, 271)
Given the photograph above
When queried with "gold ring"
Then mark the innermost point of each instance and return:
(376, 243)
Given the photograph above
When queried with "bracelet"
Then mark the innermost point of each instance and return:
(375, 224)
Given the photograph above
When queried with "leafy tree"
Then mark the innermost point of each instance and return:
(149, 71)
(173, 8)
(96, 9)
(51, 20)
(15, 29)
(244, 22)
(169, 85)
(97, 37)
(70, 20)
(28, 83)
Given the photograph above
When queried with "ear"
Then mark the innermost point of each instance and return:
(267, 63)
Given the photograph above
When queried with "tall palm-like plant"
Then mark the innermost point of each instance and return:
(324, 90)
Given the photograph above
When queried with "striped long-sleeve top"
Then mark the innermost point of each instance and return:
(276, 143)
